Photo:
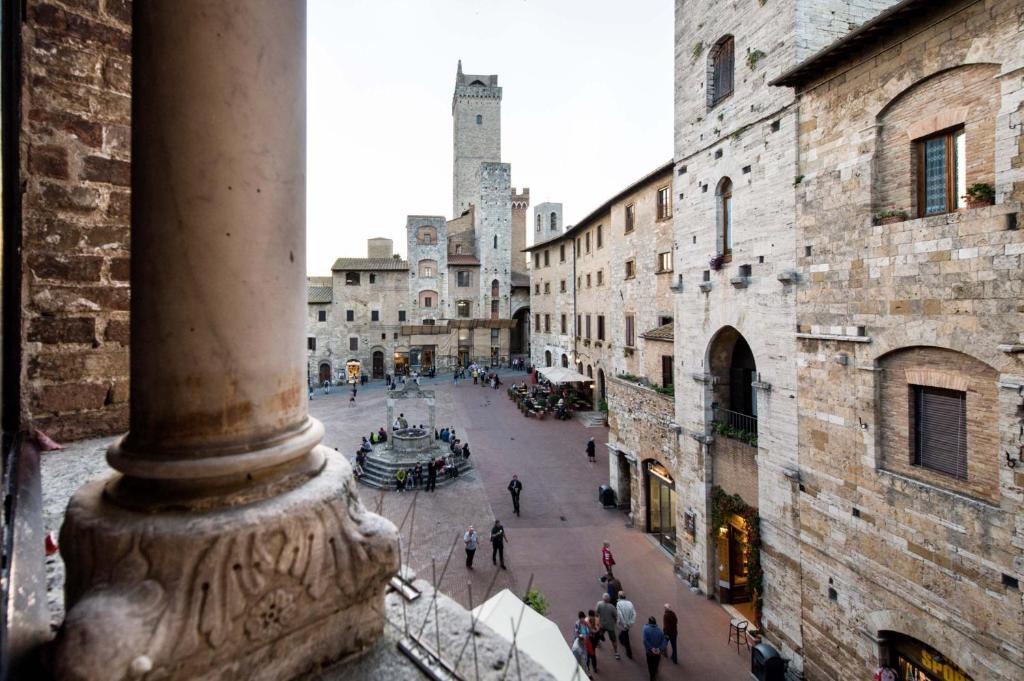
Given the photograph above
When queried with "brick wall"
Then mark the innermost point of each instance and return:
(904, 550)
(735, 465)
(967, 96)
(75, 169)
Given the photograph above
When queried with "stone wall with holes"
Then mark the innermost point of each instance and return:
(547, 298)
(886, 545)
(749, 138)
(639, 429)
(75, 170)
(735, 465)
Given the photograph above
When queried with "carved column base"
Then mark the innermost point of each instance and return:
(268, 590)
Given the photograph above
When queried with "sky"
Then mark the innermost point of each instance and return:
(586, 108)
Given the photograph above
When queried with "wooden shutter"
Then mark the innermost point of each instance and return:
(941, 430)
(666, 371)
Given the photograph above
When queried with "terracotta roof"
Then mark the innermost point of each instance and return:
(462, 259)
(662, 333)
(369, 264)
(606, 206)
(870, 35)
(319, 294)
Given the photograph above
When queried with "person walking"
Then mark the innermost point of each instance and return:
(607, 559)
(627, 618)
(579, 640)
(470, 539)
(498, 539)
(654, 646)
(585, 638)
(515, 488)
(608, 617)
(591, 450)
(670, 627)
(614, 587)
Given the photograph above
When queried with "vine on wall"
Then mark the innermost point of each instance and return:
(722, 505)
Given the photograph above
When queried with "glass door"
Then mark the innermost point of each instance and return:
(661, 512)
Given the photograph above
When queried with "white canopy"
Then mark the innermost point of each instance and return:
(537, 636)
(559, 375)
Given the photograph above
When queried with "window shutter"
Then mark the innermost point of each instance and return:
(942, 430)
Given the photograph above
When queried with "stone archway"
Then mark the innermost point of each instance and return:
(325, 372)
(733, 370)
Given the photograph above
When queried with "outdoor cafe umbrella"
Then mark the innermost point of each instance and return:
(559, 375)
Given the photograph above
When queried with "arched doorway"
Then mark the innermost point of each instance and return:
(520, 336)
(378, 364)
(325, 372)
(601, 395)
(660, 495)
(565, 361)
(547, 358)
(734, 401)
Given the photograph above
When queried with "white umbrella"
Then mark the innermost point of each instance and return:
(558, 375)
(535, 635)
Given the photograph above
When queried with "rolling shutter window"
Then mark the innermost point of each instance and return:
(940, 430)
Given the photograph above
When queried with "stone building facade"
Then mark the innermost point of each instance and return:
(577, 270)
(462, 294)
(75, 160)
(909, 342)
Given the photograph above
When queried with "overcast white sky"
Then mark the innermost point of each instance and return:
(586, 109)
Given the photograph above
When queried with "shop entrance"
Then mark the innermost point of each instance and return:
(464, 357)
(378, 364)
(733, 554)
(427, 357)
(352, 370)
(661, 505)
(913, 660)
(401, 363)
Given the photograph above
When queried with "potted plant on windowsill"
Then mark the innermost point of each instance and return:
(887, 217)
(717, 261)
(980, 194)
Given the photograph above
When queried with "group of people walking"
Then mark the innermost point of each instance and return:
(613, 618)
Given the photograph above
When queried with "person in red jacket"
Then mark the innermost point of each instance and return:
(607, 558)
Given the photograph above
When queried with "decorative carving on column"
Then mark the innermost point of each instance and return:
(231, 544)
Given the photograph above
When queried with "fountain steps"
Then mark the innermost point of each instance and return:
(379, 472)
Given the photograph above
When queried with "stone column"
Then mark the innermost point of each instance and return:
(230, 544)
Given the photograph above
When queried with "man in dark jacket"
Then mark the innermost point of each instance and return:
(515, 488)
(498, 539)
(670, 625)
(654, 646)
(431, 476)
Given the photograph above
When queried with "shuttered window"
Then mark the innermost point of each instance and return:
(722, 57)
(940, 430)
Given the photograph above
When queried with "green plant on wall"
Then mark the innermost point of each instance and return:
(722, 506)
(697, 49)
(754, 56)
(537, 600)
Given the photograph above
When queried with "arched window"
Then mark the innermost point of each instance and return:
(428, 298)
(427, 268)
(724, 215)
(565, 361)
(554, 220)
(426, 236)
(721, 59)
(495, 240)
(494, 288)
(547, 358)
(539, 220)
(479, 119)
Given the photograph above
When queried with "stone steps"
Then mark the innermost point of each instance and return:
(379, 472)
(591, 419)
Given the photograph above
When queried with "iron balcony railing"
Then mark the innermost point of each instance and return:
(735, 425)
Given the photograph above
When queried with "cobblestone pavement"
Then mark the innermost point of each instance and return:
(556, 541)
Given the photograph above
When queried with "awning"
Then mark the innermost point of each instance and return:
(558, 375)
(535, 635)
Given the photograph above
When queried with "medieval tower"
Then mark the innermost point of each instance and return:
(476, 121)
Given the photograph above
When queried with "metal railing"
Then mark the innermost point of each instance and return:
(735, 425)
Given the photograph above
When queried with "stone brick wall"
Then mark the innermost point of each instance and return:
(967, 96)
(901, 549)
(735, 465)
(75, 147)
(473, 143)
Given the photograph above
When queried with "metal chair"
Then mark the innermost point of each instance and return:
(738, 633)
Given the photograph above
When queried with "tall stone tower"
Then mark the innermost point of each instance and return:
(476, 119)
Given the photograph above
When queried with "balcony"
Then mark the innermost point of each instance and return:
(735, 425)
